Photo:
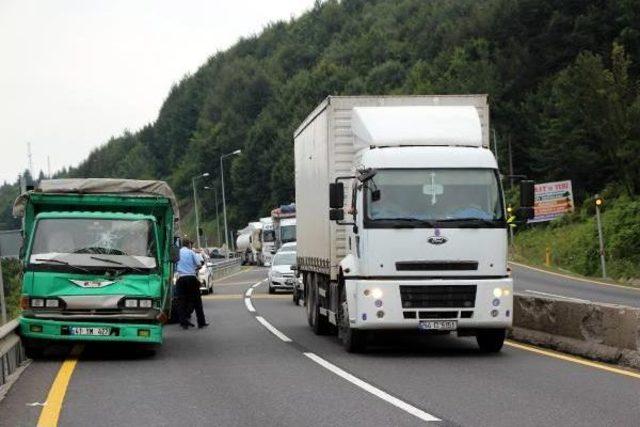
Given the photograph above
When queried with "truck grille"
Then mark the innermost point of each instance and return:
(438, 296)
(436, 265)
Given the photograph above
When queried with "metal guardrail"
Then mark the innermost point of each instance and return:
(224, 268)
(12, 354)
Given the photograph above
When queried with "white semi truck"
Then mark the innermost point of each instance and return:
(284, 224)
(249, 243)
(401, 219)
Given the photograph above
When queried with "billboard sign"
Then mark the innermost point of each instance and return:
(552, 199)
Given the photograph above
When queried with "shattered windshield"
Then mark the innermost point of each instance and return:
(95, 242)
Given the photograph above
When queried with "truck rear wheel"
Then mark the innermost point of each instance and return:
(319, 324)
(353, 340)
(491, 340)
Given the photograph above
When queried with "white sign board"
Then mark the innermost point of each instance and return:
(552, 199)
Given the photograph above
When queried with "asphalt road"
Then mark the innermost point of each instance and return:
(537, 282)
(239, 373)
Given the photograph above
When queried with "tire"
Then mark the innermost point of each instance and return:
(353, 340)
(319, 324)
(491, 340)
(271, 290)
(33, 349)
(296, 296)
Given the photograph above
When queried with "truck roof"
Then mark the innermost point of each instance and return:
(416, 125)
(102, 186)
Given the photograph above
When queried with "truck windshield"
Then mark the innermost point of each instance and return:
(84, 242)
(268, 236)
(288, 233)
(435, 197)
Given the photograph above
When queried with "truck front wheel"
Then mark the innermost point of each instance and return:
(33, 349)
(491, 340)
(353, 340)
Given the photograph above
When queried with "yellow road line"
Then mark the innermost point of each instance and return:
(573, 359)
(52, 407)
(579, 279)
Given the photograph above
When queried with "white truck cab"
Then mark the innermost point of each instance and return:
(412, 232)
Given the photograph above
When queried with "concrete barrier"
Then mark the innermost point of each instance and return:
(12, 357)
(598, 331)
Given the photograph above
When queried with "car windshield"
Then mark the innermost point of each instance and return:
(94, 242)
(435, 195)
(284, 258)
(288, 233)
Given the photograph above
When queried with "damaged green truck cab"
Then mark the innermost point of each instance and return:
(98, 261)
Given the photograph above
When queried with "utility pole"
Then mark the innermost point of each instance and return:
(495, 147)
(600, 237)
(30, 157)
(224, 203)
(48, 167)
(215, 195)
(510, 162)
(195, 204)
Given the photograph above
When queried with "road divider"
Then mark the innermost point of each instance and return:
(597, 331)
(12, 357)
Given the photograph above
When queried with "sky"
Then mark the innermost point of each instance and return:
(74, 73)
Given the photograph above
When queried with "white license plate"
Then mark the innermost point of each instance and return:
(438, 325)
(101, 332)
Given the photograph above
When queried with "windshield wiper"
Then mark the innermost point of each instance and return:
(61, 262)
(118, 263)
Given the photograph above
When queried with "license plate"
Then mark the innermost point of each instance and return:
(438, 325)
(289, 282)
(90, 331)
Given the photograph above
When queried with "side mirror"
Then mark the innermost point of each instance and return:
(375, 195)
(294, 267)
(174, 253)
(527, 194)
(273, 252)
(336, 195)
(366, 174)
(336, 214)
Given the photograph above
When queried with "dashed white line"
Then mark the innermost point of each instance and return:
(249, 292)
(272, 329)
(255, 285)
(546, 294)
(247, 302)
(419, 413)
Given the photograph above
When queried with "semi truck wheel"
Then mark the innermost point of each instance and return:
(491, 340)
(353, 340)
(319, 324)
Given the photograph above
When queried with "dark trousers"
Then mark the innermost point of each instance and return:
(189, 299)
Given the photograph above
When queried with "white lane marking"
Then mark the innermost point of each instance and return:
(249, 292)
(545, 294)
(247, 302)
(258, 284)
(371, 389)
(272, 329)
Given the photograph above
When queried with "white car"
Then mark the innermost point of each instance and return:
(280, 274)
(291, 246)
(205, 275)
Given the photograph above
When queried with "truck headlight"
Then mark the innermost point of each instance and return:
(497, 292)
(376, 293)
(37, 302)
(131, 303)
(146, 303)
(52, 303)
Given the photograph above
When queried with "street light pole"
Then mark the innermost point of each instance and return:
(195, 204)
(224, 202)
(600, 237)
(215, 195)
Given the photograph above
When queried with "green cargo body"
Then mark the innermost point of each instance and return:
(98, 260)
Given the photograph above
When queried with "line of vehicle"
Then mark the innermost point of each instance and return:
(53, 405)
(547, 294)
(579, 279)
(567, 358)
(381, 394)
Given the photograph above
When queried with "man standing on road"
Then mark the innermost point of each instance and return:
(188, 288)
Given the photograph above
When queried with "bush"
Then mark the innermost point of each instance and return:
(573, 240)
(11, 277)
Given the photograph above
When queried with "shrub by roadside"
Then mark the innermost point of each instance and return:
(12, 285)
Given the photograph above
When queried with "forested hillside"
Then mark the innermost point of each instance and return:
(562, 77)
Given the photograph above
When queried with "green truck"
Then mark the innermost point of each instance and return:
(98, 259)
